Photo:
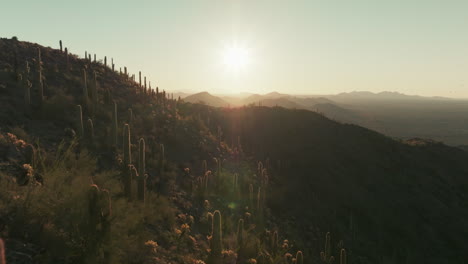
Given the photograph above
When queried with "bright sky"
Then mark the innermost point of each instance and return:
(289, 46)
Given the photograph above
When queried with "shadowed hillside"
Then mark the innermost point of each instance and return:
(97, 166)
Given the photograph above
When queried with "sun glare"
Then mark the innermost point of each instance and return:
(236, 57)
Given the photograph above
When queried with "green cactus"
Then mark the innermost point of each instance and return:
(93, 207)
(343, 259)
(127, 154)
(259, 200)
(94, 92)
(30, 155)
(61, 46)
(327, 245)
(90, 131)
(326, 254)
(144, 89)
(274, 242)
(105, 61)
(251, 197)
(112, 63)
(40, 84)
(216, 240)
(141, 171)
(27, 92)
(240, 241)
(84, 99)
(114, 126)
(80, 121)
(99, 209)
(299, 257)
(94, 58)
(204, 167)
(240, 234)
(130, 117)
(162, 160)
(139, 78)
(2, 252)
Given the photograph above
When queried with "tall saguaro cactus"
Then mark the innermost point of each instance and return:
(127, 162)
(141, 170)
(85, 89)
(326, 254)
(80, 120)
(2, 252)
(343, 256)
(127, 154)
(94, 92)
(299, 258)
(114, 126)
(90, 131)
(40, 84)
(216, 256)
(240, 242)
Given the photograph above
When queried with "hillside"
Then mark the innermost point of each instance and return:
(206, 98)
(144, 178)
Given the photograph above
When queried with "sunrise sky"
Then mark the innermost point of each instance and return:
(298, 47)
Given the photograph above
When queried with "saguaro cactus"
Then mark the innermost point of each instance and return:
(343, 256)
(162, 157)
(130, 117)
(94, 92)
(299, 258)
(141, 170)
(274, 242)
(30, 155)
(326, 254)
(204, 167)
(85, 89)
(99, 209)
(80, 120)
(240, 234)
(114, 126)
(2, 252)
(139, 78)
(27, 93)
(216, 240)
(61, 46)
(40, 84)
(90, 131)
(251, 197)
(128, 168)
(127, 154)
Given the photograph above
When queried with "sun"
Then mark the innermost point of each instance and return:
(236, 57)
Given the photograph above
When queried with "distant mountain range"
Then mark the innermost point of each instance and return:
(392, 113)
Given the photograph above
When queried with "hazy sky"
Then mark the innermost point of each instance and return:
(300, 47)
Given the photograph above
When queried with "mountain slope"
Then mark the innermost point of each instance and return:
(206, 98)
(398, 200)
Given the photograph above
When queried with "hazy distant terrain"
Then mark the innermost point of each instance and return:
(394, 114)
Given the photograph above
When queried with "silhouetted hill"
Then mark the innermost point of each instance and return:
(206, 98)
(395, 199)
